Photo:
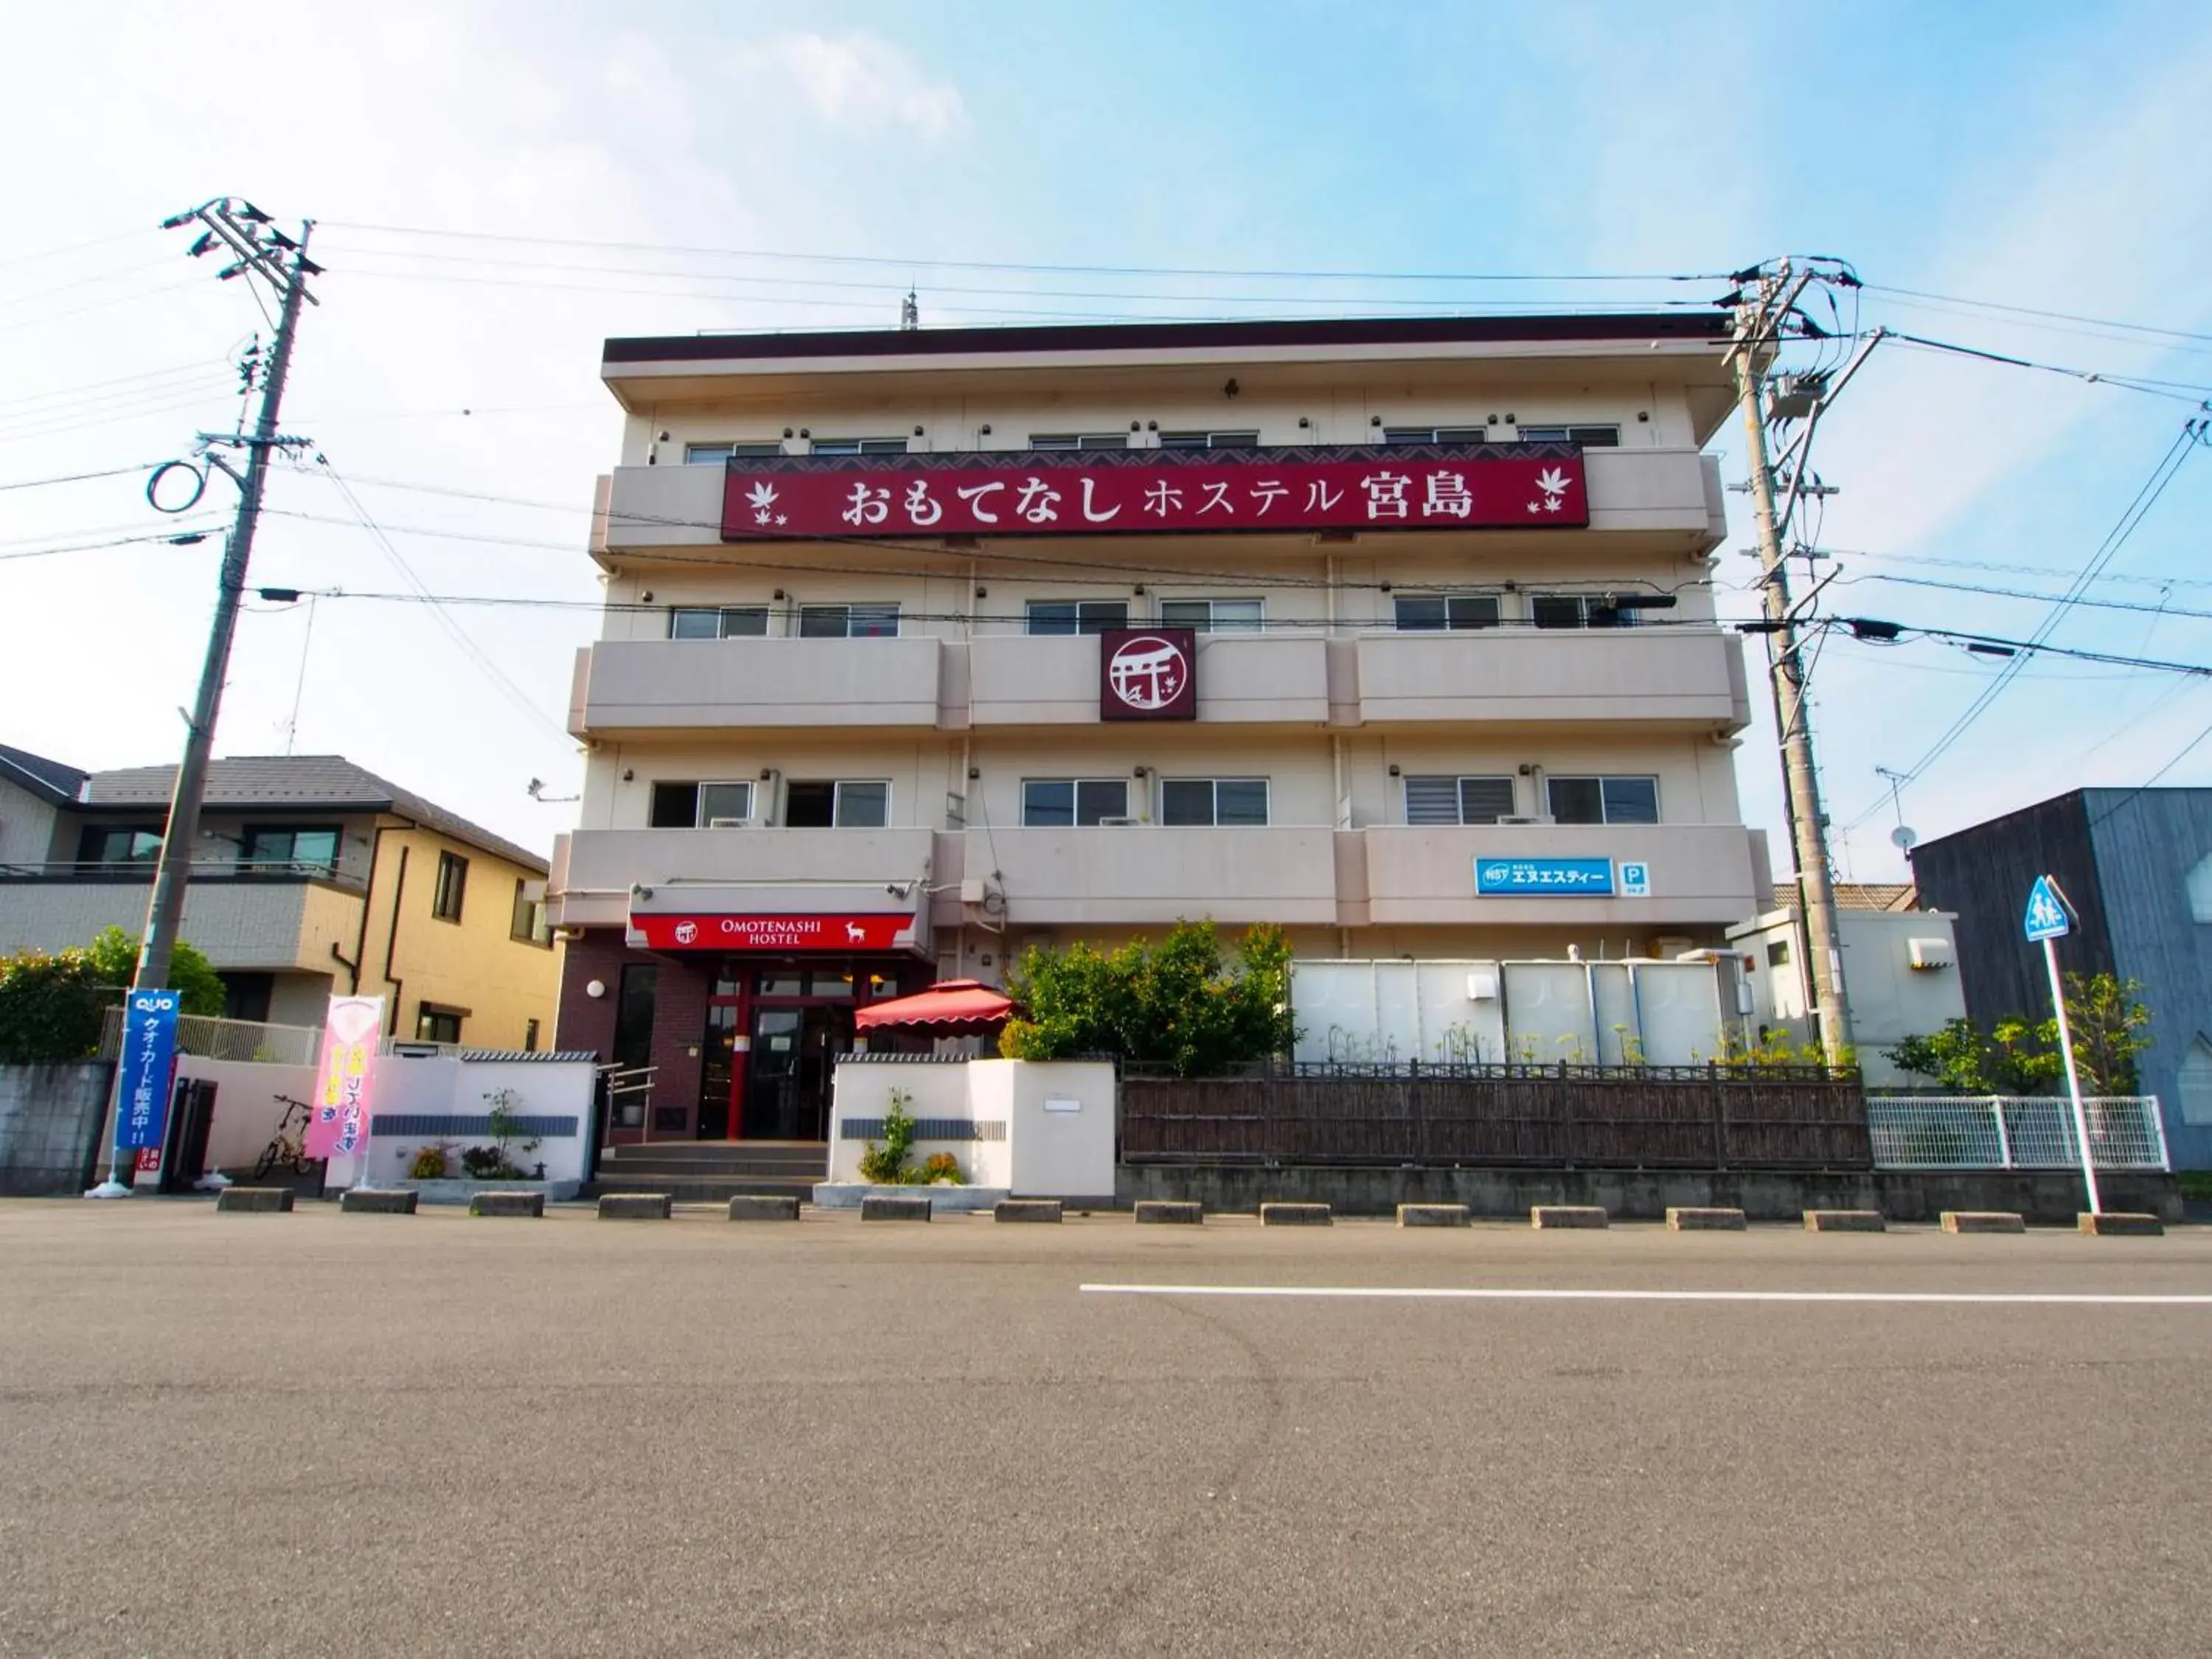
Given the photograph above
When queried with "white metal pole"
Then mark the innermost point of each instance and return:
(2004, 1135)
(2072, 1077)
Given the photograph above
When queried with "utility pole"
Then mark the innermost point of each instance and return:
(263, 253)
(1759, 318)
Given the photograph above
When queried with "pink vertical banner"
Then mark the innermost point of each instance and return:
(344, 1077)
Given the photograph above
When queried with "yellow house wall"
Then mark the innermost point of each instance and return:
(473, 964)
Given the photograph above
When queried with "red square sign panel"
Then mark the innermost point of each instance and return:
(1148, 674)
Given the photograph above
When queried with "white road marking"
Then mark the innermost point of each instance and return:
(1487, 1293)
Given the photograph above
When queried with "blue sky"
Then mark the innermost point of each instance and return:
(2039, 155)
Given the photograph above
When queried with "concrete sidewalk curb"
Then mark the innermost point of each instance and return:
(1568, 1215)
(1433, 1215)
(377, 1200)
(1844, 1221)
(634, 1206)
(1705, 1219)
(2120, 1223)
(507, 1204)
(1026, 1209)
(763, 1206)
(1983, 1221)
(1170, 1211)
(1294, 1215)
(254, 1200)
(885, 1207)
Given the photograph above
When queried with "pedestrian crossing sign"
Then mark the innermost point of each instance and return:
(2048, 915)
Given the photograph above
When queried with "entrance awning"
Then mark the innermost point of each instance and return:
(951, 1007)
(850, 920)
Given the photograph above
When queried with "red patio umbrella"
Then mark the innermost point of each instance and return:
(951, 1007)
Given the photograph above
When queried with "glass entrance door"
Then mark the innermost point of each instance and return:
(794, 1052)
(717, 1070)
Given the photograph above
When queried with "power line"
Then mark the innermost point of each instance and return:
(2138, 606)
(79, 477)
(175, 536)
(2162, 475)
(902, 263)
(892, 286)
(2031, 310)
(454, 629)
(2185, 391)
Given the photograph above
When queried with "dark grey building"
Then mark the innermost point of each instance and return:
(2137, 864)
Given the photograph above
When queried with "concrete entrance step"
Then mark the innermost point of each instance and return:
(788, 1160)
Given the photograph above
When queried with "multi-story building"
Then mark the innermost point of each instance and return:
(924, 647)
(312, 877)
(2137, 865)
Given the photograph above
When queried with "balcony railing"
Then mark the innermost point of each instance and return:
(117, 870)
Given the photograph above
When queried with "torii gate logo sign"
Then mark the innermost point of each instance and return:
(1148, 674)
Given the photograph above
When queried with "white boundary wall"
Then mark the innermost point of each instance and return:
(1049, 1125)
(1489, 1013)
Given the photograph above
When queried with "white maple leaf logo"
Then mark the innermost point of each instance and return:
(761, 499)
(1551, 481)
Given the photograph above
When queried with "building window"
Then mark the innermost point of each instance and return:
(530, 1037)
(98, 845)
(1436, 435)
(529, 925)
(1215, 616)
(1458, 800)
(848, 621)
(247, 996)
(1777, 954)
(1077, 616)
(838, 804)
(452, 883)
(1604, 800)
(1578, 611)
(1226, 802)
(1078, 441)
(269, 847)
(728, 622)
(719, 454)
(436, 1025)
(1057, 803)
(700, 805)
(859, 446)
(1418, 613)
(1209, 440)
(1589, 437)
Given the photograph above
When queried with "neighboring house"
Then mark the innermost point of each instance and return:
(2137, 866)
(924, 647)
(312, 876)
(1900, 971)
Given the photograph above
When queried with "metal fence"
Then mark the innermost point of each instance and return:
(252, 1040)
(2014, 1132)
(1707, 1118)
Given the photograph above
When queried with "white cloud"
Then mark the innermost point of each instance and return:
(858, 80)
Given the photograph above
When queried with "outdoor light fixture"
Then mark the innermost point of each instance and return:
(596, 989)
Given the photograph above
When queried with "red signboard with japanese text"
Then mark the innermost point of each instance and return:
(677, 932)
(1110, 492)
(1148, 674)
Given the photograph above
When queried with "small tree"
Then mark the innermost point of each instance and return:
(2108, 1021)
(1181, 1004)
(114, 956)
(2110, 1026)
(50, 1007)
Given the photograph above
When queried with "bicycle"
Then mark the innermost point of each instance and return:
(287, 1148)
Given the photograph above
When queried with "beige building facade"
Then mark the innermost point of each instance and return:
(1466, 698)
(312, 878)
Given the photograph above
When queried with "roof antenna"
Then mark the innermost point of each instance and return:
(910, 311)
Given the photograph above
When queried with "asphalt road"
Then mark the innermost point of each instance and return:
(327, 1434)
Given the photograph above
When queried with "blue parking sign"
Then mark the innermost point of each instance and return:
(150, 1048)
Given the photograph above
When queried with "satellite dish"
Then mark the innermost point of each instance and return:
(1904, 836)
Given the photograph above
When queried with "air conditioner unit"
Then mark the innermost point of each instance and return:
(971, 889)
(1117, 824)
(1527, 817)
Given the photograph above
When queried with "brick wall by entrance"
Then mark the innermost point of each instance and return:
(588, 1022)
(679, 1015)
